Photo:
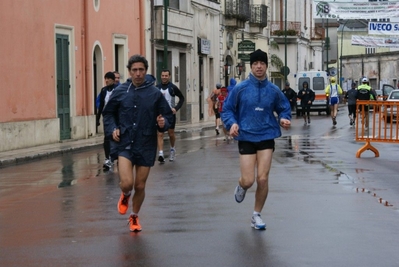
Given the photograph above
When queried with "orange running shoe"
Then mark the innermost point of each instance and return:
(123, 203)
(134, 223)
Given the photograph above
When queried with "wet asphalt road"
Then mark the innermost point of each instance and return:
(325, 207)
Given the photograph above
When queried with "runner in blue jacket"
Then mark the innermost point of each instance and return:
(249, 115)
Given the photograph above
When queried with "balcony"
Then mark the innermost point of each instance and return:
(237, 12)
(258, 19)
(278, 28)
(277, 31)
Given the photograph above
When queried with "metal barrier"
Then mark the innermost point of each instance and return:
(376, 121)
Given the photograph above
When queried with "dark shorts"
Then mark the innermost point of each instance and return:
(137, 160)
(365, 107)
(173, 122)
(352, 109)
(217, 114)
(249, 148)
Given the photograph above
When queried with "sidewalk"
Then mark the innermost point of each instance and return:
(18, 156)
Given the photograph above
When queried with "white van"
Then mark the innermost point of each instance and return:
(317, 81)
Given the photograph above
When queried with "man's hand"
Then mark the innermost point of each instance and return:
(173, 110)
(234, 130)
(115, 135)
(285, 123)
(160, 121)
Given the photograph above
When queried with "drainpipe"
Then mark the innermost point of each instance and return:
(142, 28)
(165, 33)
(85, 81)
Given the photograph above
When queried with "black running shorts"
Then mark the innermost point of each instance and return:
(248, 148)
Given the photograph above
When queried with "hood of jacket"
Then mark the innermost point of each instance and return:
(149, 81)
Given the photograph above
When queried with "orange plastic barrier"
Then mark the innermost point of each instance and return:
(376, 121)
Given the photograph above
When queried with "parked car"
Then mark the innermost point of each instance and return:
(386, 89)
(390, 111)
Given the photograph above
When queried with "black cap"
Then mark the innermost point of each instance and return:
(258, 55)
(109, 75)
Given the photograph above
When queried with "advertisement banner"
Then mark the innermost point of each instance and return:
(370, 41)
(355, 10)
(383, 28)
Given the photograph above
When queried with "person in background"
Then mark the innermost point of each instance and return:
(233, 83)
(333, 91)
(132, 116)
(169, 91)
(306, 95)
(103, 98)
(221, 99)
(249, 114)
(212, 99)
(351, 96)
(364, 92)
(290, 94)
(117, 78)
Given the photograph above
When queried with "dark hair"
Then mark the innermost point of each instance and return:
(166, 70)
(109, 75)
(137, 58)
(304, 83)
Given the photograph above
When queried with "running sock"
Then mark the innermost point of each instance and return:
(127, 194)
(256, 213)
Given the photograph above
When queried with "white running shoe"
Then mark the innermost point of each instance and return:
(172, 154)
(257, 222)
(239, 193)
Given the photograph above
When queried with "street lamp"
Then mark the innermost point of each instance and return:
(227, 70)
(340, 57)
(239, 69)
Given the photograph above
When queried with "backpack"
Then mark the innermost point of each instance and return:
(363, 94)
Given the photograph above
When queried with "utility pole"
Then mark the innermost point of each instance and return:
(327, 47)
(285, 41)
(165, 34)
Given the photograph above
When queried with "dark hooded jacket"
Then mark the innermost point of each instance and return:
(134, 110)
(306, 95)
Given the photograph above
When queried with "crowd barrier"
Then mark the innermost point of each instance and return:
(376, 121)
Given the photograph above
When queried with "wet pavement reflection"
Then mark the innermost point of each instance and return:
(323, 207)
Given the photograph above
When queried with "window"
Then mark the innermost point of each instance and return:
(370, 50)
(174, 4)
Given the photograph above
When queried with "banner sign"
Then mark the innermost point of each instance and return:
(355, 10)
(384, 28)
(370, 41)
(246, 45)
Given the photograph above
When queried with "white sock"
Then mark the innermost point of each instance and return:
(128, 194)
(256, 213)
(160, 152)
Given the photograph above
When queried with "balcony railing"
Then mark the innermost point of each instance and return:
(238, 9)
(258, 15)
(278, 28)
